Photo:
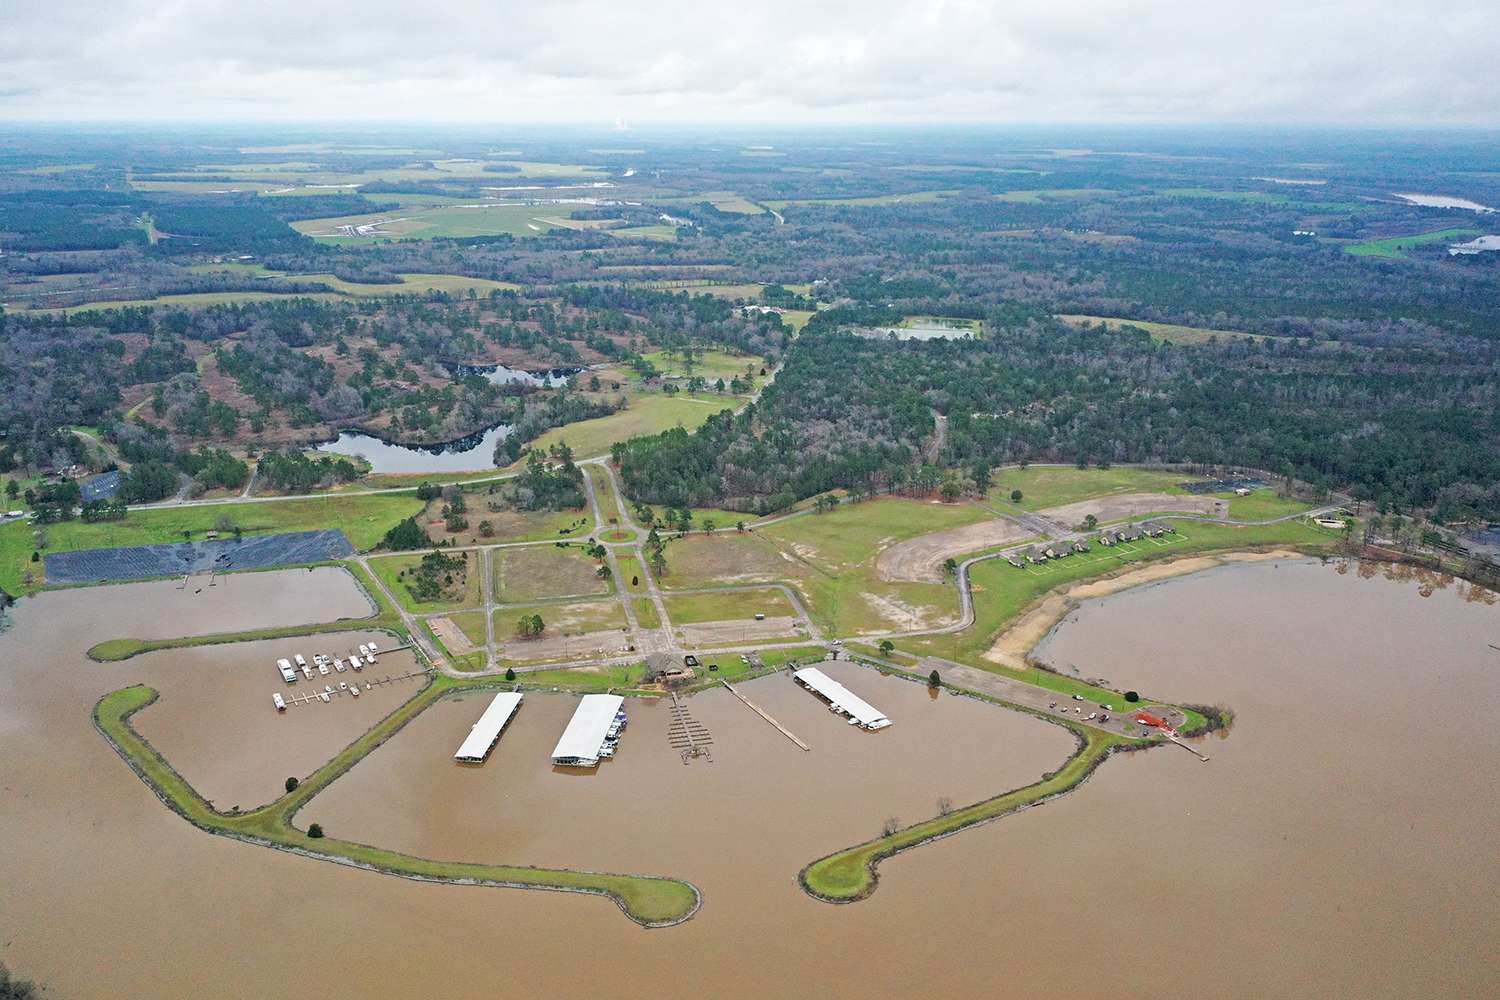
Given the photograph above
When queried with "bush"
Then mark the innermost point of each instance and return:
(934, 680)
(291, 784)
(510, 673)
(315, 831)
(1132, 696)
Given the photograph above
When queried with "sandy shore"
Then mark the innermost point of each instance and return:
(1014, 645)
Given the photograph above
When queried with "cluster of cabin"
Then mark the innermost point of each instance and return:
(1107, 538)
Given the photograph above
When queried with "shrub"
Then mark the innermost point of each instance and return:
(315, 831)
(510, 673)
(934, 679)
(291, 784)
(1132, 696)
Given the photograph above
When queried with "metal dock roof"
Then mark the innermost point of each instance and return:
(842, 698)
(481, 739)
(587, 729)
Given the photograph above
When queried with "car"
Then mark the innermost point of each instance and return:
(1078, 697)
(1052, 705)
(1078, 711)
(1108, 708)
(690, 660)
(713, 666)
(1092, 716)
(1104, 717)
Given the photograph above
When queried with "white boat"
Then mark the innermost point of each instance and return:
(343, 685)
(364, 650)
(279, 702)
(306, 670)
(354, 662)
(300, 661)
(328, 688)
(323, 668)
(374, 648)
(287, 673)
(324, 695)
(338, 664)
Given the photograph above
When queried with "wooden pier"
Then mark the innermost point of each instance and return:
(1173, 737)
(783, 730)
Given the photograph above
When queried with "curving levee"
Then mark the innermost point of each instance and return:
(650, 901)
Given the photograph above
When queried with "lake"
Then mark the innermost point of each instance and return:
(1443, 201)
(551, 378)
(473, 453)
(1483, 244)
(1340, 841)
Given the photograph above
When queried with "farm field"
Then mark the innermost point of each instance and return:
(541, 572)
(648, 413)
(1036, 197)
(473, 219)
(1396, 246)
(725, 201)
(1169, 332)
(914, 198)
(508, 525)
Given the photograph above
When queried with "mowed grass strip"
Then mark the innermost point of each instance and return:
(1396, 246)
(650, 413)
(648, 900)
(1170, 332)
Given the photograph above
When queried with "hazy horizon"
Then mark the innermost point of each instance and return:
(1084, 63)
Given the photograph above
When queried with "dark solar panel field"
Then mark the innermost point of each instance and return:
(178, 558)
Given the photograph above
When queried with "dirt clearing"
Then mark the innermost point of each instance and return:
(745, 630)
(921, 559)
(451, 636)
(1127, 505)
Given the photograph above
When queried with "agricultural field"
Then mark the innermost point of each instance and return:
(648, 413)
(913, 198)
(1037, 197)
(1396, 246)
(540, 572)
(1165, 332)
(472, 219)
(725, 201)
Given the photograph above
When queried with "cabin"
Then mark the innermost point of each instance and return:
(1080, 547)
(1106, 539)
(1018, 564)
(663, 668)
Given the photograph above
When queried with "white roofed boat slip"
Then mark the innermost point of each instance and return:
(587, 730)
(486, 732)
(841, 698)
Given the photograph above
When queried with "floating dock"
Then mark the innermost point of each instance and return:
(486, 732)
(840, 699)
(584, 740)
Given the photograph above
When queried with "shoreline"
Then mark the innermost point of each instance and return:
(1014, 646)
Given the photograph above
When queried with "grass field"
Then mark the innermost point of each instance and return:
(1396, 246)
(630, 569)
(649, 901)
(588, 680)
(1169, 332)
(541, 572)
(1002, 592)
(830, 560)
(363, 518)
(412, 284)
(646, 613)
(571, 618)
(663, 232)
(724, 201)
(1037, 197)
(913, 198)
(391, 568)
(733, 605)
(649, 413)
(471, 624)
(1052, 486)
(709, 364)
(1262, 505)
(477, 218)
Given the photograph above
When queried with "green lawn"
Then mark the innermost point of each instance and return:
(391, 568)
(1262, 505)
(646, 613)
(587, 680)
(1053, 486)
(1396, 246)
(650, 901)
(364, 519)
(710, 364)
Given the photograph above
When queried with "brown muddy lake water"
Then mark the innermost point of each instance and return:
(1339, 843)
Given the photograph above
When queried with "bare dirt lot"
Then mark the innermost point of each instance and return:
(744, 630)
(921, 559)
(564, 647)
(451, 636)
(1126, 505)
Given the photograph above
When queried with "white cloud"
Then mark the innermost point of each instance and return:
(1371, 62)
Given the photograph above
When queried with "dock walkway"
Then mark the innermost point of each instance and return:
(783, 730)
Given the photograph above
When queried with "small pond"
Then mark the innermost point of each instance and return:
(473, 453)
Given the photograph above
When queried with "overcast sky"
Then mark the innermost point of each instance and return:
(1375, 62)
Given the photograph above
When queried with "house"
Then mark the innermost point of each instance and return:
(1080, 547)
(1018, 564)
(1106, 539)
(663, 668)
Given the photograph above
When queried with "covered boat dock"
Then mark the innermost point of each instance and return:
(486, 732)
(841, 699)
(592, 728)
